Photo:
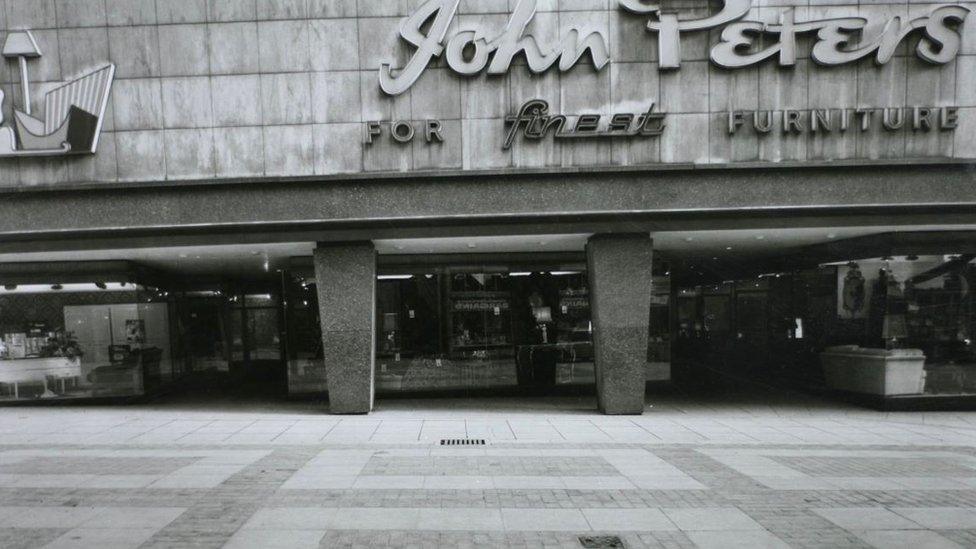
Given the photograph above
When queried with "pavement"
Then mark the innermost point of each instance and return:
(707, 471)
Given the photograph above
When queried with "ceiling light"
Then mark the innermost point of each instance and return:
(729, 248)
(472, 245)
(761, 237)
(831, 236)
(689, 239)
(184, 256)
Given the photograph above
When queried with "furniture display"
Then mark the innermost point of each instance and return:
(15, 372)
(885, 372)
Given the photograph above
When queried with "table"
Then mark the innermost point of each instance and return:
(32, 370)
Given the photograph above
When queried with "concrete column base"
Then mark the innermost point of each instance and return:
(620, 280)
(346, 279)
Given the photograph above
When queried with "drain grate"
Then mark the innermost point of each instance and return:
(462, 442)
(601, 542)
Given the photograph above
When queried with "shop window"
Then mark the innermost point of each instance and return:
(83, 340)
(256, 351)
(481, 330)
(893, 326)
(204, 317)
(306, 368)
(463, 328)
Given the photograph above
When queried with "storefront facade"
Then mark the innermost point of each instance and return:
(459, 195)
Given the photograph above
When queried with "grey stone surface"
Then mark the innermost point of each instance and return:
(619, 271)
(337, 47)
(282, 472)
(346, 283)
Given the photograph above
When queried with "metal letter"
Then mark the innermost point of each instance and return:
(949, 118)
(792, 122)
(428, 46)
(764, 126)
(921, 119)
(432, 131)
(402, 131)
(621, 123)
(373, 129)
(455, 53)
(893, 119)
(669, 28)
(865, 116)
(736, 119)
(941, 43)
(587, 123)
(821, 118)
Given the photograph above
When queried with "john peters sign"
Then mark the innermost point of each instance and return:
(742, 43)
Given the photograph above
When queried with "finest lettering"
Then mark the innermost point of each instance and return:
(534, 122)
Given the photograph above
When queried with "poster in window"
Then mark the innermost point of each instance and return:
(135, 331)
(852, 292)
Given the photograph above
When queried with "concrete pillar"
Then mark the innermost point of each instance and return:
(620, 278)
(346, 279)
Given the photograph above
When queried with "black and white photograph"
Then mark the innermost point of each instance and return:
(474, 274)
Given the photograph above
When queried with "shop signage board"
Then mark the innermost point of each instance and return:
(469, 52)
(433, 32)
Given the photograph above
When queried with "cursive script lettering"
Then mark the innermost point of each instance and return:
(839, 41)
(469, 52)
(535, 122)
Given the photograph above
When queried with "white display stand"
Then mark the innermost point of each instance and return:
(874, 371)
(36, 370)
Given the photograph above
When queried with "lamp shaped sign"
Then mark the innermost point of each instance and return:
(73, 111)
(742, 42)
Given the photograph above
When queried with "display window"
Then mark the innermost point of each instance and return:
(451, 328)
(84, 340)
(886, 326)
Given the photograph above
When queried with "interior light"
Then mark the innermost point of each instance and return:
(831, 236)
(761, 237)
(520, 274)
(394, 277)
(728, 248)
